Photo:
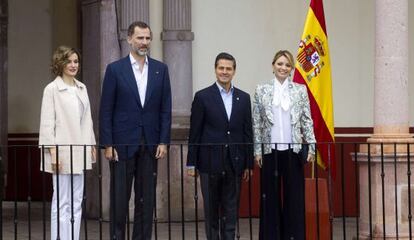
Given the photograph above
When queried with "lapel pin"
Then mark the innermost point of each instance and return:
(237, 98)
(157, 72)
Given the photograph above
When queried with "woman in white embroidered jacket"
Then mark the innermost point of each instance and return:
(66, 139)
(281, 118)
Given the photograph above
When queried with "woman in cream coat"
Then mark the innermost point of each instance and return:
(65, 127)
(281, 116)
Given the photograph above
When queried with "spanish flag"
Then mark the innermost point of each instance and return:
(313, 69)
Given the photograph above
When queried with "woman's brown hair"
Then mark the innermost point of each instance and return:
(61, 58)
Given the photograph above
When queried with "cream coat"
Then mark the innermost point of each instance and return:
(58, 126)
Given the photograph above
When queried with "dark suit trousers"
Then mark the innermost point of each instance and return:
(282, 218)
(221, 203)
(140, 170)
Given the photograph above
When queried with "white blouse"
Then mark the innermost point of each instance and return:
(281, 132)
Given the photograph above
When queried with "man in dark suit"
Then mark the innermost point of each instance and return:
(220, 147)
(135, 126)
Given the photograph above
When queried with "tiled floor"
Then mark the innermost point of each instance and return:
(39, 229)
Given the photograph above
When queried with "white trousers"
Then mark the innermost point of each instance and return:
(65, 206)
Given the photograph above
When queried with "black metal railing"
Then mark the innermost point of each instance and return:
(366, 195)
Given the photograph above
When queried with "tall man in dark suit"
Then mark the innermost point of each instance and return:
(221, 120)
(135, 125)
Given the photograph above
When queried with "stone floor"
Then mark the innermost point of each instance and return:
(97, 231)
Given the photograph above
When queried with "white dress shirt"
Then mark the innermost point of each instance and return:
(141, 76)
(227, 98)
(281, 129)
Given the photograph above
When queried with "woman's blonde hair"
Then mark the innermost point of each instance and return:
(61, 58)
(286, 54)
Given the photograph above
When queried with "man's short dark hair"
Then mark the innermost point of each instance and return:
(132, 26)
(226, 56)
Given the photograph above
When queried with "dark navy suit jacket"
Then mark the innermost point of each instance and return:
(123, 121)
(212, 134)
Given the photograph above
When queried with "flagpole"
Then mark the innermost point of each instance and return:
(330, 189)
(313, 169)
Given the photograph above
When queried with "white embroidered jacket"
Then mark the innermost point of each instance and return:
(301, 120)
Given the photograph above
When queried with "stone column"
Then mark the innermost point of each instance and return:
(177, 45)
(3, 91)
(391, 125)
(130, 11)
(391, 110)
(100, 47)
